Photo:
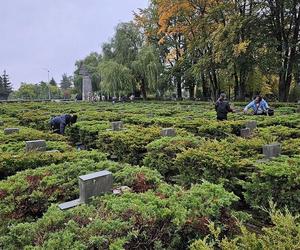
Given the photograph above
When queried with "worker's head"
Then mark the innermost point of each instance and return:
(223, 96)
(73, 119)
(258, 99)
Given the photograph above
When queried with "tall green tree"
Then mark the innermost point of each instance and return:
(52, 82)
(283, 24)
(66, 82)
(5, 86)
(27, 91)
(117, 79)
(147, 69)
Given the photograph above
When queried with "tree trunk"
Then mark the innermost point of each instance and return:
(217, 86)
(143, 89)
(192, 91)
(178, 83)
(205, 87)
(236, 84)
(213, 86)
(242, 85)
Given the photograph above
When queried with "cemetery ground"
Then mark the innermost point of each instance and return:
(181, 180)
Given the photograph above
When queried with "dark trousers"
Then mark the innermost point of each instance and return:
(221, 118)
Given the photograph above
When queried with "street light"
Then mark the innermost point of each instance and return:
(49, 92)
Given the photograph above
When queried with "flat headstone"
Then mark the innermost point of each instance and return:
(53, 151)
(38, 145)
(1, 123)
(95, 184)
(69, 204)
(168, 132)
(252, 125)
(113, 157)
(245, 132)
(189, 118)
(150, 115)
(272, 150)
(116, 126)
(8, 131)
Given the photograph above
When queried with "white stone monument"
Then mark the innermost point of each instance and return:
(86, 83)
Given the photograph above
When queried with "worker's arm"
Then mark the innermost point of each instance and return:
(248, 106)
(229, 109)
(266, 105)
(62, 128)
(216, 105)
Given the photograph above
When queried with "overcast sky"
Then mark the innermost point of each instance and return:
(36, 35)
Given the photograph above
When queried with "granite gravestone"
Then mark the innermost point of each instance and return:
(272, 150)
(38, 145)
(245, 132)
(168, 132)
(251, 125)
(1, 123)
(90, 185)
(8, 131)
(117, 126)
(95, 184)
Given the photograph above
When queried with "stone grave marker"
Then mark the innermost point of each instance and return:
(1, 123)
(272, 150)
(53, 151)
(189, 118)
(69, 204)
(38, 145)
(245, 132)
(116, 126)
(251, 125)
(95, 184)
(90, 185)
(168, 132)
(8, 131)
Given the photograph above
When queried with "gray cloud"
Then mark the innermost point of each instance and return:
(53, 34)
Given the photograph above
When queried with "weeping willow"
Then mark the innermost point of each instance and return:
(117, 79)
(148, 68)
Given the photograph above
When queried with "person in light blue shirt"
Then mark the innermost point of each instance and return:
(258, 105)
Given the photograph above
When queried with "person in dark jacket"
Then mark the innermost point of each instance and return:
(222, 108)
(59, 123)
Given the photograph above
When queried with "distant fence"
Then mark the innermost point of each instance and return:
(36, 100)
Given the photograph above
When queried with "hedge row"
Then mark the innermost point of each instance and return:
(166, 218)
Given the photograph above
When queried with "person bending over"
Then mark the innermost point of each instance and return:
(59, 123)
(222, 108)
(258, 105)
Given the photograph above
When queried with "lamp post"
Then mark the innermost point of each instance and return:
(49, 92)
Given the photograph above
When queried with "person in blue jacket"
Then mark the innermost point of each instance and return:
(258, 105)
(59, 123)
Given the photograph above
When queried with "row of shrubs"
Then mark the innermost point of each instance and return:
(156, 213)
(167, 217)
(27, 194)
